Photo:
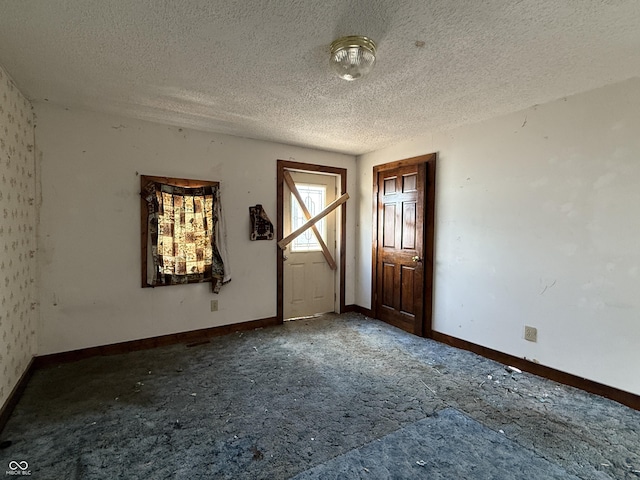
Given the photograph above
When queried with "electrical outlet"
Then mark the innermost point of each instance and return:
(214, 305)
(530, 333)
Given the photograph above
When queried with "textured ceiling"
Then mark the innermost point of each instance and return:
(259, 69)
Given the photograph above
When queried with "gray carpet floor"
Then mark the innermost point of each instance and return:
(339, 396)
(446, 445)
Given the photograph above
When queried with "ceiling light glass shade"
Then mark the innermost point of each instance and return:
(353, 57)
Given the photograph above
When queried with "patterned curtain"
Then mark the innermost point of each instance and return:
(182, 228)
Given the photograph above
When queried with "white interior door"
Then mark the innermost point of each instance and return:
(309, 281)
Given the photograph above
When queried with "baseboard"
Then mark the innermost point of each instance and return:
(193, 336)
(358, 309)
(620, 396)
(16, 393)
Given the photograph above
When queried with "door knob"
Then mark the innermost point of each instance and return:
(416, 259)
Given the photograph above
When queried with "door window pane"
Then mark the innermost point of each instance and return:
(314, 197)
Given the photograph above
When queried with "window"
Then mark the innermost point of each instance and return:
(314, 197)
(181, 232)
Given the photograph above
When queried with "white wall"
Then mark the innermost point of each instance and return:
(537, 223)
(89, 236)
(18, 222)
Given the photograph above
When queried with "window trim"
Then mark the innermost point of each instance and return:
(144, 213)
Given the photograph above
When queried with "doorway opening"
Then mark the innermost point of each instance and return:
(311, 269)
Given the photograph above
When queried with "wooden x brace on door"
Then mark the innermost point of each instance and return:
(311, 221)
(325, 251)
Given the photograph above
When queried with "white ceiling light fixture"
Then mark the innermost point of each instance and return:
(352, 57)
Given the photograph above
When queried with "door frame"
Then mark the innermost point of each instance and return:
(429, 235)
(341, 173)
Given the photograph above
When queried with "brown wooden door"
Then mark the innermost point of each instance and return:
(400, 247)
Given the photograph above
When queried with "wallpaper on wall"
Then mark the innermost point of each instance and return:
(18, 309)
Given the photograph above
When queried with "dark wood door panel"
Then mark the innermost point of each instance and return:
(403, 243)
(388, 283)
(409, 212)
(389, 185)
(400, 292)
(389, 221)
(409, 182)
(407, 290)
